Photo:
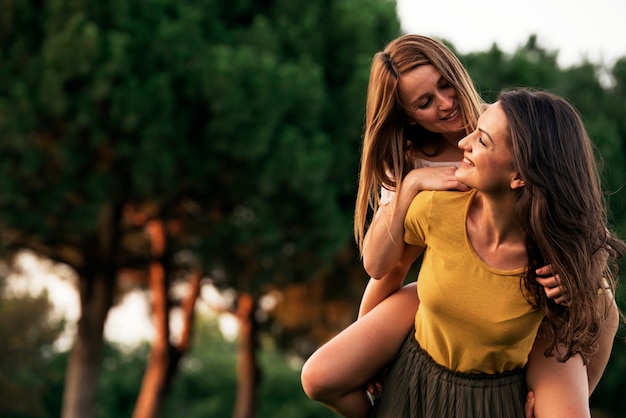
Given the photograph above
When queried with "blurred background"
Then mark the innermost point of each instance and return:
(177, 185)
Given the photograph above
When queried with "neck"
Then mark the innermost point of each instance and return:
(495, 219)
(495, 234)
(453, 138)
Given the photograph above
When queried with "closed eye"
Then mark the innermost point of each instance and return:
(425, 104)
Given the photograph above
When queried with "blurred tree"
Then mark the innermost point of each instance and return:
(27, 332)
(529, 66)
(206, 382)
(613, 125)
(608, 398)
(235, 124)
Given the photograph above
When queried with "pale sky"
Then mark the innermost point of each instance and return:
(577, 29)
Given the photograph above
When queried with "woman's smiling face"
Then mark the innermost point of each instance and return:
(430, 100)
(487, 160)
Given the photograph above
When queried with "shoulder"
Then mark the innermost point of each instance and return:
(439, 204)
(445, 197)
(442, 196)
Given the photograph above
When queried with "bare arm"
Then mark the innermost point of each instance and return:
(569, 384)
(378, 290)
(560, 389)
(597, 364)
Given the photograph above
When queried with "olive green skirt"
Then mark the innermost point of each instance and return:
(417, 387)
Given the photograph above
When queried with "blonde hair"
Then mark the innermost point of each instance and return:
(386, 124)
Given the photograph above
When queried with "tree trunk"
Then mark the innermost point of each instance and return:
(83, 368)
(151, 393)
(188, 307)
(150, 396)
(164, 357)
(248, 372)
(96, 287)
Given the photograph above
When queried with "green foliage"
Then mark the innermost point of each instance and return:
(54, 384)
(205, 385)
(237, 123)
(281, 393)
(609, 395)
(26, 355)
(241, 119)
(206, 382)
(120, 380)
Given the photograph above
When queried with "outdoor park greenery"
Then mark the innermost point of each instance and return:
(205, 386)
(154, 143)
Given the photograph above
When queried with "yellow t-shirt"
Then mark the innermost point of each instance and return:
(472, 317)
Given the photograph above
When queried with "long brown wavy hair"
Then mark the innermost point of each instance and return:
(383, 158)
(563, 211)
